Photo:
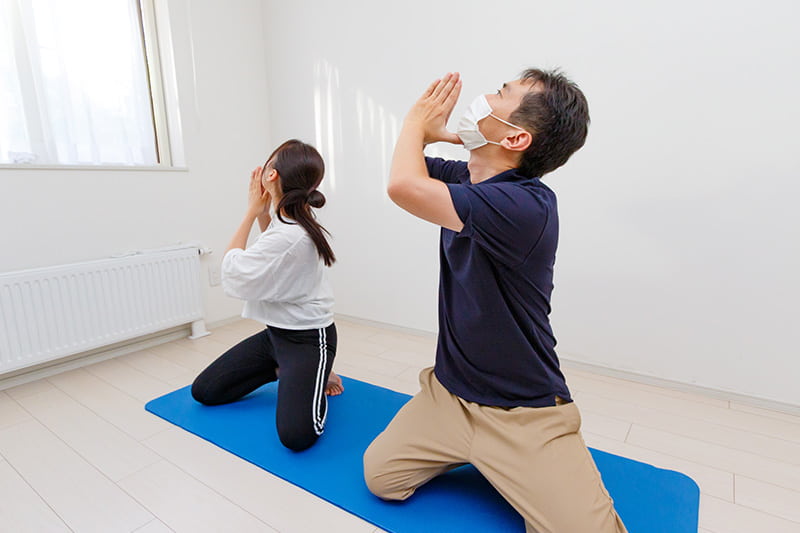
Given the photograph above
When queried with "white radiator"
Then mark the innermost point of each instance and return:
(48, 313)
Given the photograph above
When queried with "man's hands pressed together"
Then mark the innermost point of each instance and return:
(432, 111)
(410, 186)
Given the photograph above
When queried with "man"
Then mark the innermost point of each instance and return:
(496, 397)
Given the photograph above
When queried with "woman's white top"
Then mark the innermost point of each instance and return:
(282, 279)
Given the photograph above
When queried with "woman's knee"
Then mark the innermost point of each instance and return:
(203, 393)
(297, 439)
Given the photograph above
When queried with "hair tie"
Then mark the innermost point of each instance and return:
(315, 198)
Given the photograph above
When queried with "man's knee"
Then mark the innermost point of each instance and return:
(380, 479)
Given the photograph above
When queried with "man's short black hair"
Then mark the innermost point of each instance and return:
(556, 113)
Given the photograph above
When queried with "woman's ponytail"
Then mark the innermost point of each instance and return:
(301, 168)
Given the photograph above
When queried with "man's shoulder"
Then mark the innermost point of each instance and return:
(447, 170)
(442, 161)
(520, 188)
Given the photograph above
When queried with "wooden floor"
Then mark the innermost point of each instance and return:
(79, 453)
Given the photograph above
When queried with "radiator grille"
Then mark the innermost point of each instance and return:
(53, 312)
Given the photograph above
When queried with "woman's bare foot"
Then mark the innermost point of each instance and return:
(334, 386)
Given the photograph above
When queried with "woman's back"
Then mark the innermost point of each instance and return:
(282, 278)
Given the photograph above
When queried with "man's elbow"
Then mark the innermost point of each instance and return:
(398, 192)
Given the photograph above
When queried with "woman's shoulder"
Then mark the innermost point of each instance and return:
(285, 233)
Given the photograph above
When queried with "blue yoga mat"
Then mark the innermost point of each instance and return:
(649, 499)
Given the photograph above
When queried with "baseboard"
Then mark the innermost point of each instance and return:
(567, 362)
(385, 325)
(51, 368)
(710, 392)
(71, 362)
(44, 370)
(224, 322)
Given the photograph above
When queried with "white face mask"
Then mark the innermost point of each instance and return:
(468, 130)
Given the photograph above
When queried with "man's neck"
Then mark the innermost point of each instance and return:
(483, 168)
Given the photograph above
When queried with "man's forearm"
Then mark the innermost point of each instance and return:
(408, 162)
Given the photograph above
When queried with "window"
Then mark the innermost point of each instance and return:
(80, 84)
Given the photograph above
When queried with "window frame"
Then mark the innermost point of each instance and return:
(162, 117)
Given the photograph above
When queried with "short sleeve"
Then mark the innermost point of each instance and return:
(251, 274)
(447, 171)
(505, 219)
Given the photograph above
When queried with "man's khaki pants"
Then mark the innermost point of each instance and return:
(535, 458)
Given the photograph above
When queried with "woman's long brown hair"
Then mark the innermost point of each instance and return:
(300, 170)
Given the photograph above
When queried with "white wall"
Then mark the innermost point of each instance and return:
(679, 245)
(51, 217)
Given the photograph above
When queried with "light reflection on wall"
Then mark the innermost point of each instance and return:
(327, 113)
(354, 132)
(377, 124)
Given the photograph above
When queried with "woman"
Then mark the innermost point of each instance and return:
(282, 278)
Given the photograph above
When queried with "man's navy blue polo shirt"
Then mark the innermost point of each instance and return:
(495, 344)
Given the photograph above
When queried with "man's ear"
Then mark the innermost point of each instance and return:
(519, 141)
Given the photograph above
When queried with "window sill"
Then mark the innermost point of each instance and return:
(153, 168)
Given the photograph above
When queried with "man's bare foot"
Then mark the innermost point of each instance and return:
(334, 386)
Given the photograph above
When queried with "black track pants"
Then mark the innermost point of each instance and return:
(305, 359)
